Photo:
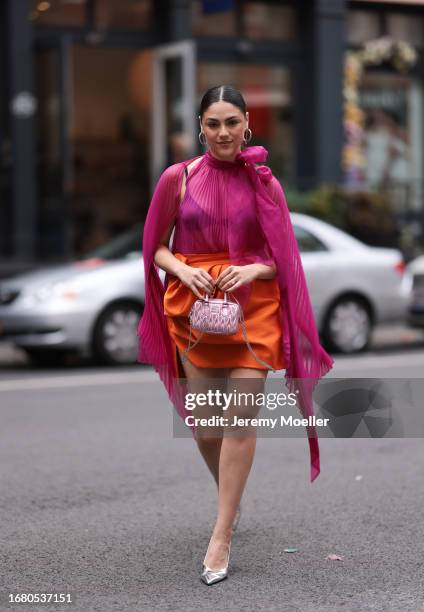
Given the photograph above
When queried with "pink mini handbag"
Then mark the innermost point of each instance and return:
(218, 316)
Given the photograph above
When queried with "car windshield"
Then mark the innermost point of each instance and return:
(125, 245)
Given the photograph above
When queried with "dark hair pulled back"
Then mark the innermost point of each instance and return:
(226, 93)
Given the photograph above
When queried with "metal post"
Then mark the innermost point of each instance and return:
(22, 108)
(179, 20)
(329, 18)
(304, 91)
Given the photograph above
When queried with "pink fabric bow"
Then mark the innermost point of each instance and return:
(256, 154)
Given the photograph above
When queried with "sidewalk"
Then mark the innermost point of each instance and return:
(397, 336)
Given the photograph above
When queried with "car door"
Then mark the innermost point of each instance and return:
(319, 266)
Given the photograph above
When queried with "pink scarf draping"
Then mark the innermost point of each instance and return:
(253, 223)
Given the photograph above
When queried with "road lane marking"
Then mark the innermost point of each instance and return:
(86, 380)
(380, 361)
(343, 364)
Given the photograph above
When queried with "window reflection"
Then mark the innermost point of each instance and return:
(362, 26)
(255, 20)
(222, 23)
(308, 243)
(406, 27)
(109, 14)
(124, 15)
(110, 141)
(269, 21)
(389, 155)
(59, 12)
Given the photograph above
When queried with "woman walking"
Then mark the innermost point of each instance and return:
(232, 234)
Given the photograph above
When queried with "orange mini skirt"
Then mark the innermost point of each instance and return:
(261, 316)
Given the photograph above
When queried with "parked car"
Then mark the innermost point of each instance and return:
(91, 306)
(354, 287)
(416, 306)
(94, 305)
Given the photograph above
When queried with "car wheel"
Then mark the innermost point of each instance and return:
(115, 339)
(348, 326)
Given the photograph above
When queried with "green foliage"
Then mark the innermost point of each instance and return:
(327, 202)
(367, 215)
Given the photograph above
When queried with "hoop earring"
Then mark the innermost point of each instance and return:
(250, 134)
(205, 142)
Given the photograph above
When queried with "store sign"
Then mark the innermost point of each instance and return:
(23, 105)
(385, 99)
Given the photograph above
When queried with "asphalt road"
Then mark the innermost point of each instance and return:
(98, 499)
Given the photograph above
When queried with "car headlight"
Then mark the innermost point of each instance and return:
(58, 289)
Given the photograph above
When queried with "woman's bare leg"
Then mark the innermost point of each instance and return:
(236, 459)
(210, 447)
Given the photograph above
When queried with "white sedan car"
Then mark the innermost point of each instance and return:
(416, 307)
(353, 286)
(93, 306)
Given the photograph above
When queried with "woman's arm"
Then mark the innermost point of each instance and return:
(193, 278)
(264, 271)
(163, 257)
(234, 276)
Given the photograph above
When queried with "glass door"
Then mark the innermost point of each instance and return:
(174, 125)
(110, 139)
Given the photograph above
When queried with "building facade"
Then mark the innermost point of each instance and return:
(98, 97)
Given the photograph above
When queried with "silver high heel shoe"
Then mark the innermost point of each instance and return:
(210, 576)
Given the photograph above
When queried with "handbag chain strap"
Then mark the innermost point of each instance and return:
(244, 331)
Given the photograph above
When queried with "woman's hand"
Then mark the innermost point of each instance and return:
(235, 276)
(195, 279)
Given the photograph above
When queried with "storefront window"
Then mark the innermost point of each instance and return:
(268, 94)
(392, 138)
(211, 23)
(108, 14)
(362, 26)
(263, 21)
(110, 138)
(254, 20)
(124, 15)
(59, 12)
(406, 27)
